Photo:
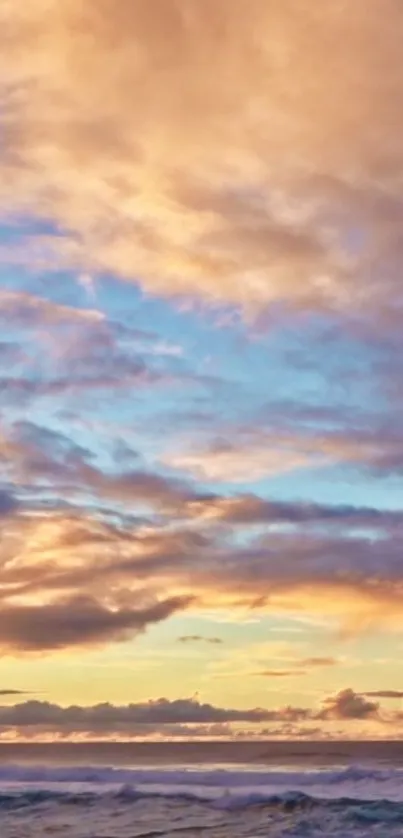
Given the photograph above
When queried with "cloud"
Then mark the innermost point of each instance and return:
(373, 446)
(98, 578)
(84, 531)
(229, 155)
(134, 719)
(183, 717)
(197, 638)
(310, 135)
(348, 704)
(81, 350)
(12, 692)
(383, 694)
(33, 453)
(79, 620)
(8, 502)
(249, 508)
(226, 461)
(299, 667)
(318, 662)
(280, 673)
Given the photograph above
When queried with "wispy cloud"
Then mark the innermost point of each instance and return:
(300, 667)
(384, 694)
(280, 673)
(197, 638)
(318, 662)
(12, 693)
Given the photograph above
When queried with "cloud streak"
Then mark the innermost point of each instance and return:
(11, 692)
(197, 638)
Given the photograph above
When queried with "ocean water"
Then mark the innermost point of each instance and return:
(220, 790)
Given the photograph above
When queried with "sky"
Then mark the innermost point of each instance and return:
(201, 312)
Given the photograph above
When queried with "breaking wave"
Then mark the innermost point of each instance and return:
(361, 811)
(105, 775)
(231, 802)
(355, 782)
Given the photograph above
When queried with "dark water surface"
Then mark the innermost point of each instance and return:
(190, 753)
(215, 789)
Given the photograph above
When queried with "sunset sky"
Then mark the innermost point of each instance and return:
(201, 368)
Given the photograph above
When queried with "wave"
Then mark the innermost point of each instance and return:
(231, 801)
(350, 811)
(213, 778)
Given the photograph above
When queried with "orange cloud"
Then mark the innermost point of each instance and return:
(210, 149)
(68, 579)
(178, 548)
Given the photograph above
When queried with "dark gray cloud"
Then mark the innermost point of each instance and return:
(182, 717)
(80, 620)
(348, 704)
(160, 713)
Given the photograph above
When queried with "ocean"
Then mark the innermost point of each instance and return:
(215, 789)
